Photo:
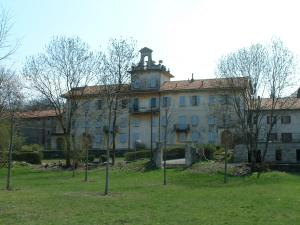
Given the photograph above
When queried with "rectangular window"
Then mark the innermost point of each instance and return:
(99, 104)
(124, 103)
(269, 121)
(298, 154)
(194, 100)
(195, 136)
(278, 155)
(154, 121)
(123, 122)
(153, 103)
(224, 99)
(211, 120)
(182, 120)
(273, 137)
(286, 137)
(98, 123)
(211, 128)
(136, 123)
(123, 138)
(211, 100)
(86, 105)
(153, 83)
(212, 137)
(98, 138)
(166, 101)
(181, 101)
(194, 120)
(285, 119)
(135, 104)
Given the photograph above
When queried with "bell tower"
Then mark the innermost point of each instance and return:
(146, 52)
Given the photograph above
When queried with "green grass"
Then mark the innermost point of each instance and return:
(138, 197)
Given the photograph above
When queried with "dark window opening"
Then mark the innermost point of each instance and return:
(99, 104)
(153, 103)
(124, 103)
(278, 155)
(286, 137)
(298, 154)
(273, 120)
(194, 100)
(285, 119)
(273, 137)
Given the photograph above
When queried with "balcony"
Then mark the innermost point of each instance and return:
(181, 127)
(143, 110)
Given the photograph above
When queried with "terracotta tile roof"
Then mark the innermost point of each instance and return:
(36, 114)
(171, 86)
(281, 104)
(204, 84)
(93, 90)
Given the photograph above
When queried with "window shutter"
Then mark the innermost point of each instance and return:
(198, 100)
(191, 100)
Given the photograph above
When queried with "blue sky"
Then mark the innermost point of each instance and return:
(189, 36)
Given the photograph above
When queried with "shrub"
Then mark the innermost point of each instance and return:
(3, 156)
(208, 151)
(30, 157)
(130, 156)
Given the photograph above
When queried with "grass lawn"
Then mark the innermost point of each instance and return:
(54, 197)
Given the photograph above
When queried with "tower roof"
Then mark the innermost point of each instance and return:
(145, 49)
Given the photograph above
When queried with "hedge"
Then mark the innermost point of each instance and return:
(30, 157)
(130, 156)
(172, 153)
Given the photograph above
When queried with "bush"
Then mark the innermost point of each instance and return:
(30, 157)
(3, 156)
(208, 151)
(130, 156)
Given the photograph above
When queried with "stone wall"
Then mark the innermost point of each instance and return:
(288, 152)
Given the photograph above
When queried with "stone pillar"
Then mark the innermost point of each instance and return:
(157, 155)
(189, 153)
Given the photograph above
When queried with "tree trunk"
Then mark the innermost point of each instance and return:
(67, 151)
(114, 133)
(9, 162)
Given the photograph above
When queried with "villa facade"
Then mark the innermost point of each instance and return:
(195, 110)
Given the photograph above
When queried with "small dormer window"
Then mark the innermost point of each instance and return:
(153, 83)
(136, 84)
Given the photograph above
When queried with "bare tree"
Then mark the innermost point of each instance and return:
(114, 78)
(7, 47)
(260, 70)
(167, 130)
(62, 72)
(10, 102)
(121, 54)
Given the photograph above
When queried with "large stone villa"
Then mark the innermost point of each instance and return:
(194, 109)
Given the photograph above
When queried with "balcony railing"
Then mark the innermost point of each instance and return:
(139, 110)
(179, 127)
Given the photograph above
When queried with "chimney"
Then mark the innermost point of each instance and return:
(192, 77)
